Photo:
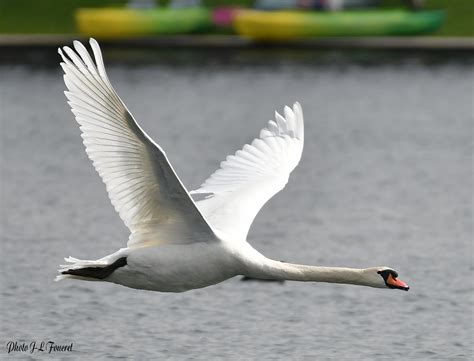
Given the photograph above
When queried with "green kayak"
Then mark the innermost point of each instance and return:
(286, 25)
(127, 22)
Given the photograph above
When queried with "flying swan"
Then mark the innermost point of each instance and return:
(178, 244)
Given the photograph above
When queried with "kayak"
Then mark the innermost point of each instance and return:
(127, 22)
(293, 24)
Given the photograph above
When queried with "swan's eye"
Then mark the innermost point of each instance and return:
(387, 272)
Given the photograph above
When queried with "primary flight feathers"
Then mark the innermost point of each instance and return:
(247, 180)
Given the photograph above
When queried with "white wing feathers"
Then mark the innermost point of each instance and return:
(247, 180)
(141, 183)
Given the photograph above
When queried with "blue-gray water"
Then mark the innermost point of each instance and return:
(385, 179)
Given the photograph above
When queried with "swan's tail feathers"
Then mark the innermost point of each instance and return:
(88, 270)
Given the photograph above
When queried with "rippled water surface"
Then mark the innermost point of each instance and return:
(385, 179)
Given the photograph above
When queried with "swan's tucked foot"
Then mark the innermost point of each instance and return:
(83, 269)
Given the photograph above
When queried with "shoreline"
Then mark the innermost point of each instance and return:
(236, 42)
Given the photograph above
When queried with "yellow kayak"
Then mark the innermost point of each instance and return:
(126, 22)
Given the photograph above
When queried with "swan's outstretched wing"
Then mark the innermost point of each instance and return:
(142, 185)
(247, 180)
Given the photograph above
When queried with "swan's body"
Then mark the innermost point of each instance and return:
(176, 243)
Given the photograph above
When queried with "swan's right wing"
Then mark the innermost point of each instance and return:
(245, 181)
(142, 185)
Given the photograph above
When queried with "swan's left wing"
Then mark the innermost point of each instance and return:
(247, 180)
(140, 181)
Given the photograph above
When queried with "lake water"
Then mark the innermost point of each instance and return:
(385, 179)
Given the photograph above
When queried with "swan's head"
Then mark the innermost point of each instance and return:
(388, 278)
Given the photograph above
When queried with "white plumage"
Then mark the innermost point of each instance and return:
(140, 181)
(177, 244)
(247, 180)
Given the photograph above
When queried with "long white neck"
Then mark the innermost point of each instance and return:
(258, 266)
(297, 272)
(270, 269)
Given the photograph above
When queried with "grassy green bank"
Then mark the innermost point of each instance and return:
(53, 16)
(459, 20)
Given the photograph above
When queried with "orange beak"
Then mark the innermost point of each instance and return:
(396, 283)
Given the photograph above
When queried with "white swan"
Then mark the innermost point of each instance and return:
(177, 244)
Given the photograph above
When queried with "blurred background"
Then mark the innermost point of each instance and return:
(386, 176)
(223, 16)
